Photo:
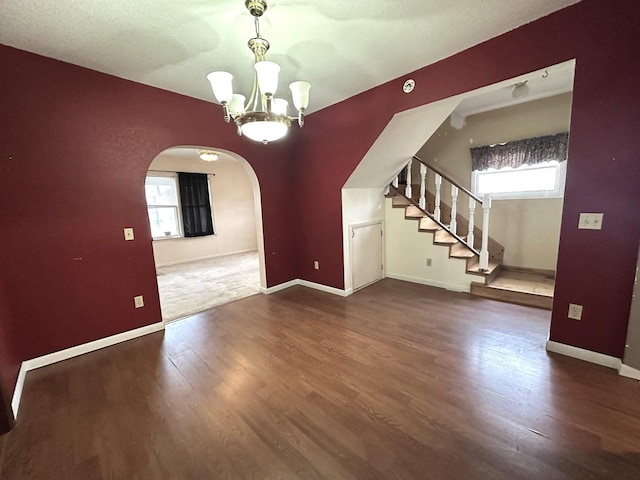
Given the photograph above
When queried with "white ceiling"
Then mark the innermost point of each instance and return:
(342, 48)
(553, 80)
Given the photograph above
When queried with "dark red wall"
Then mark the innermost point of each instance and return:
(595, 269)
(75, 147)
(9, 363)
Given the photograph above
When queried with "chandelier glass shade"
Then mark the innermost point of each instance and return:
(262, 117)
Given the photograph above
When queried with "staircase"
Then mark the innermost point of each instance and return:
(483, 254)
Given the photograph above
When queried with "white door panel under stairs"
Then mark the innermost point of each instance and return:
(366, 254)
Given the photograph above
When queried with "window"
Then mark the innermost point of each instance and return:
(528, 168)
(543, 180)
(163, 206)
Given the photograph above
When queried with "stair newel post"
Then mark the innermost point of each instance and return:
(484, 253)
(423, 186)
(386, 190)
(436, 212)
(408, 192)
(453, 226)
(472, 210)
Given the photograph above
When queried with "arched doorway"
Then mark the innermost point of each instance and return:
(224, 261)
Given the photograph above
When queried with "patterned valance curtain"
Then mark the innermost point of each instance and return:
(529, 151)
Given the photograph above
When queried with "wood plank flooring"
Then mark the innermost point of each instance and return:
(398, 381)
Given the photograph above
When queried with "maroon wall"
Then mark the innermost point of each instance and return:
(75, 148)
(595, 269)
(76, 145)
(9, 363)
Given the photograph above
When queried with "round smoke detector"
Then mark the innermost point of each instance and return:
(409, 85)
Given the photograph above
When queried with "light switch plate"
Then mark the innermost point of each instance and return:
(128, 233)
(316, 265)
(138, 301)
(590, 221)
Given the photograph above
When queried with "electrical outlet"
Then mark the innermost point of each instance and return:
(138, 301)
(429, 262)
(128, 233)
(590, 221)
(316, 265)
(575, 311)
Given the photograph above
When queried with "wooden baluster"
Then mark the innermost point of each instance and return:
(436, 211)
(472, 210)
(386, 190)
(484, 253)
(395, 181)
(423, 186)
(408, 192)
(453, 226)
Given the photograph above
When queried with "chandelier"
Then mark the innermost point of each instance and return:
(264, 118)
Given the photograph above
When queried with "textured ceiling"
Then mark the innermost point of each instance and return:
(342, 48)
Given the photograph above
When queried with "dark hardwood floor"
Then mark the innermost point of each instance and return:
(398, 381)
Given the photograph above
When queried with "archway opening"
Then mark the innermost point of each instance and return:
(205, 216)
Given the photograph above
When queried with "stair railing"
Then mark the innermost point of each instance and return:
(474, 200)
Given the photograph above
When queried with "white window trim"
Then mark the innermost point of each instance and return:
(561, 173)
(178, 205)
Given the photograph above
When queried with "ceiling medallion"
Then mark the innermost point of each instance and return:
(264, 118)
(409, 85)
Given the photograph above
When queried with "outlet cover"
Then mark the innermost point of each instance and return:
(128, 233)
(138, 301)
(575, 311)
(316, 265)
(429, 262)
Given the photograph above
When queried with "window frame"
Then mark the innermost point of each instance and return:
(177, 207)
(557, 192)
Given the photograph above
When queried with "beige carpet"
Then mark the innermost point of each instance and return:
(190, 288)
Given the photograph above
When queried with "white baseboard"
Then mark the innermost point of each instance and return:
(630, 372)
(324, 288)
(431, 283)
(308, 284)
(582, 354)
(76, 351)
(206, 257)
(281, 286)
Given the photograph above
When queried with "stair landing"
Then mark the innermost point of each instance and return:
(531, 288)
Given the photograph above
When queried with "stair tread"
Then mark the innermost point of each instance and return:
(460, 251)
(535, 284)
(429, 224)
(414, 212)
(442, 236)
(400, 201)
(474, 268)
(530, 299)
